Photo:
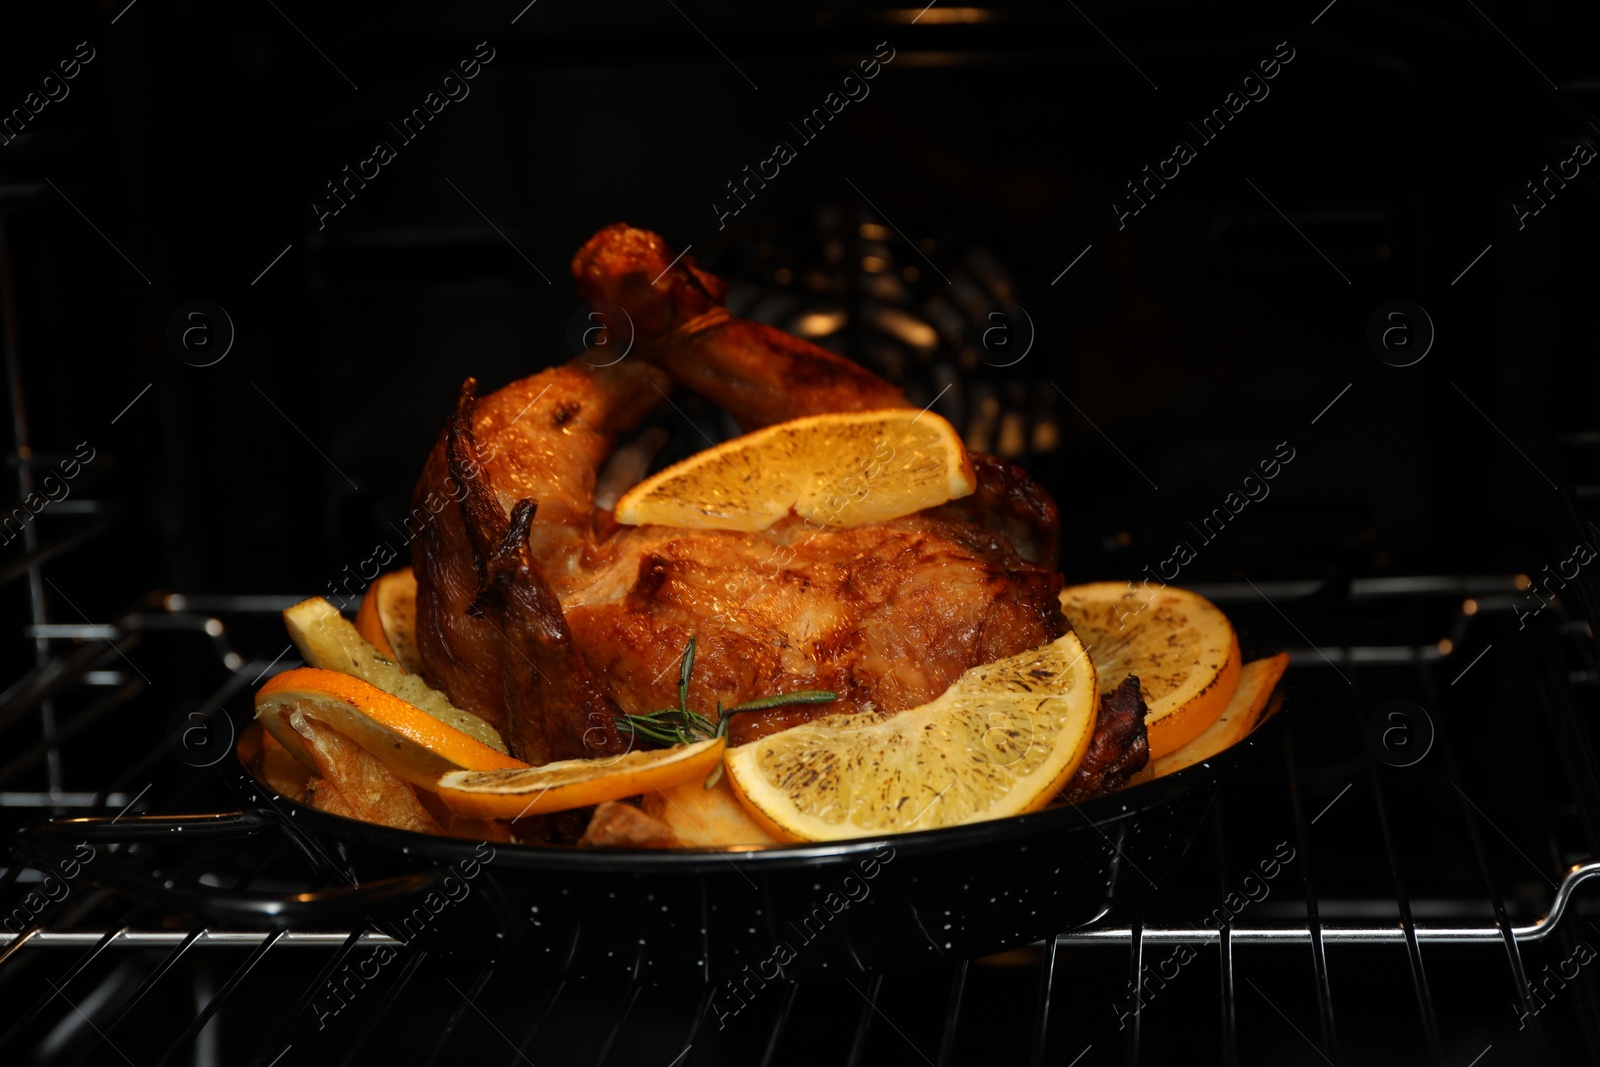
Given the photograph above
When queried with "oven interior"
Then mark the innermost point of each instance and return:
(1414, 556)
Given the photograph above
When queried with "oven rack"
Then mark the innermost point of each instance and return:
(1280, 933)
(1549, 920)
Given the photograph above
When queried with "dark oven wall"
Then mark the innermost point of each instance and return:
(1190, 339)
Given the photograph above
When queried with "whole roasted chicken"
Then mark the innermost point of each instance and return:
(539, 612)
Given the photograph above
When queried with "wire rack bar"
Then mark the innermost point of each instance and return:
(1230, 1028)
(191, 1031)
(1402, 898)
(473, 992)
(1314, 931)
(785, 1008)
(77, 724)
(50, 550)
(1041, 1011)
(628, 1001)
(46, 680)
(274, 1046)
(390, 995)
(1135, 940)
(858, 1042)
(170, 960)
(1261, 934)
(952, 1015)
(1518, 972)
(539, 1017)
(1285, 933)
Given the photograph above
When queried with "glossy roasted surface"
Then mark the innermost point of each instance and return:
(549, 626)
(1119, 748)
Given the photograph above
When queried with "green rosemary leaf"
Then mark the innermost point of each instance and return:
(683, 676)
(639, 726)
(803, 696)
(684, 726)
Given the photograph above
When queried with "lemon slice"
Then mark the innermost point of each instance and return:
(328, 640)
(416, 746)
(1001, 741)
(576, 783)
(1178, 643)
(841, 469)
(387, 619)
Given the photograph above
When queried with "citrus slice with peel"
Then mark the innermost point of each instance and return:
(1249, 707)
(1178, 643)
(387, 619)
(1001, 741)
(575, 783)
(330, 641)
(370, 626)
(415, 745)
(841, 469)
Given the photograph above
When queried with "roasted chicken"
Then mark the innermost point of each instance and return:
(541, 614)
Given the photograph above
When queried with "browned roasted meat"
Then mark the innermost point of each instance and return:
(757, 372)
(1012, 504)
(1118, 749)
(538, 612)
(889, 614)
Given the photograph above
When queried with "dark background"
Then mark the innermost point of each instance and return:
(1175, 353)
(1195, 339)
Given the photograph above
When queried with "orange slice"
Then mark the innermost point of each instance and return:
(575, 783)
(1247, 709)
(841, 469)
(387, 618)
(414, 744)
(1001, 741)
(1180, 645)
(327, 639)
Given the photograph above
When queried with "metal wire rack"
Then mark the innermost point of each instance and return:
(1432, 911)
(1363, 896)
(1351, 901)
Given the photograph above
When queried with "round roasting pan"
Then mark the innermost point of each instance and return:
(786, 912)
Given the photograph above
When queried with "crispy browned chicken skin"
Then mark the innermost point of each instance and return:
(538, 612)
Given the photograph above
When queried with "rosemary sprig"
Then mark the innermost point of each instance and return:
(683, 725)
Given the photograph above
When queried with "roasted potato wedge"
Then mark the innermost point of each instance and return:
(706, 818)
